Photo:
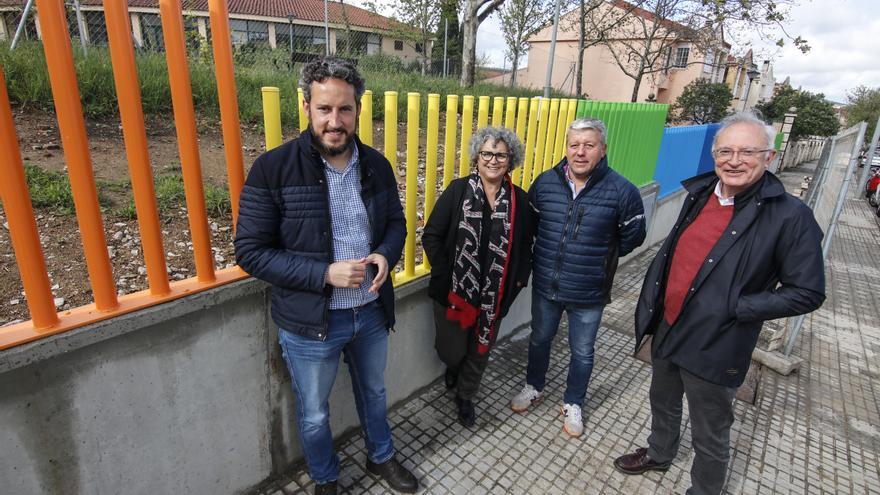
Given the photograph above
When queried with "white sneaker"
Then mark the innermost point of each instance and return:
(525, 399)
(573, 423)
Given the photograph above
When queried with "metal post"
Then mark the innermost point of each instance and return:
(81, 26)
(826, 244)
(445, 42)
(20, 29)
(869, 156)
(326, 29)
(552, 50)
(290, 32)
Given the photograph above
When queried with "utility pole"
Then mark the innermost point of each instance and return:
(552, 50)
(445, 42)
(326, 29)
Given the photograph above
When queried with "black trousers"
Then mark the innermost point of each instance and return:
(711, 414)
(457, 349)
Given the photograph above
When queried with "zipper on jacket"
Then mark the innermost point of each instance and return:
(329, 236)
(577, 226)
(562, 247)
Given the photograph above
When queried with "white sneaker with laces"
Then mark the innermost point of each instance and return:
(573, 424)
(525, 399)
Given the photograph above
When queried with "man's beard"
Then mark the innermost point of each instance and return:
(331, 150)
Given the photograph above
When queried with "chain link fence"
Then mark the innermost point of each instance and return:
(255, 43)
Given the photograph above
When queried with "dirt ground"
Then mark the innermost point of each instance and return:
(39, 141)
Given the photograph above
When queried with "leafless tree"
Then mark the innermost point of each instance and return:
(520, 19)
(473, 13)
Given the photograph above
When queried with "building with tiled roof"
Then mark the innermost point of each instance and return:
(297, 25)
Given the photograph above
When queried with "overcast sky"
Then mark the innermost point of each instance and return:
(844, 36)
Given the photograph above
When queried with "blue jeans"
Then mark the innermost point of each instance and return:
(360, 334)
(583, 324)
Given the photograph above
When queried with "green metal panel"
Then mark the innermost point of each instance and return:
(778, 143)
(581, 109)
(634, 134)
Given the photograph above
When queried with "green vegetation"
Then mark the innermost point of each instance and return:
(49, 189)
(28, 82)
(702, 102)
(815, 116)
(863, 103)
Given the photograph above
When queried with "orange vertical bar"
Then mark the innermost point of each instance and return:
(132, 115)
(221, 42)
(65, 94)
(187, 141)
(20, 215)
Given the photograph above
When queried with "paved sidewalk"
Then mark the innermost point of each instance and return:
(816, 431)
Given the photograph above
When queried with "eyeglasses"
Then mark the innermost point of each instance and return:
(746, 154)
(488, 155)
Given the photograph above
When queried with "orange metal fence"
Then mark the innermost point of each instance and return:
(23, 233)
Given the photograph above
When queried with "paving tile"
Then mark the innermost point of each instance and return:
(815, 431)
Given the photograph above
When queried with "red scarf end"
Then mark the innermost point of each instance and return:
(461, 311)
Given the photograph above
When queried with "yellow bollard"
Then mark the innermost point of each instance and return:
(572, 114)
(272, 116)
(300, 110)
(467, 126)
(391, 129)
(538, 165)
(510, 115)
(483, 114)
(451, 124)
(365, 126)
(412, 184)
(497, 111)
(530, 143)
(432, 138)
(522, 114)
(550, 142)
(559, 147)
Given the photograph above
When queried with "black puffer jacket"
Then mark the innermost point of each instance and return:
(440, 234)
(767, 264)
(283, 234)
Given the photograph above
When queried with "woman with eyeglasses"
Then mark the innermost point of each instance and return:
(478, 240)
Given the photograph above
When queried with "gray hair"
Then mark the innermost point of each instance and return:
(320, 69)
(586, 124)
(747, 117)
(493, 135)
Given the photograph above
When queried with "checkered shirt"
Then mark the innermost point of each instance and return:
(351, 229)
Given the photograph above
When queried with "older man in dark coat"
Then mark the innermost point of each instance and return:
(743, 251)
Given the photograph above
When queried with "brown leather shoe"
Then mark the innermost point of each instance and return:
(638, 462)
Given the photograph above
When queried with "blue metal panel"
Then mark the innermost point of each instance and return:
(707, 163)
(681, 155)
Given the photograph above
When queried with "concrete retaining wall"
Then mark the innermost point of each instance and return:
(191, 396)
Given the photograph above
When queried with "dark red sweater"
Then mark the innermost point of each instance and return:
(693, 246)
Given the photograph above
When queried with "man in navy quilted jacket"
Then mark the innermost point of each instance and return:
(320, 220)
(588, 217)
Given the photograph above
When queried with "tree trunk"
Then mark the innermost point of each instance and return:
(580, 60)
(469, 43)
(638, 82)
(514, 64)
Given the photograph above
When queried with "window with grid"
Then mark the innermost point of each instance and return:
(256, 32)
(97, 27)
(398, 45)
(374, 44)
(309, 39)
(283, 32)
(151, 33)
(681, 57)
